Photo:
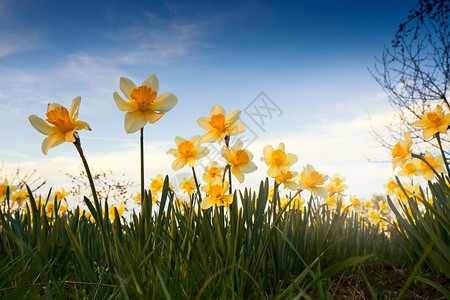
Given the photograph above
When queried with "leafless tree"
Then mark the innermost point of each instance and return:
(109, 186)
(415, 71)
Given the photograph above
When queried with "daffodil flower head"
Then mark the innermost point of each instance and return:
(278, 160)
(218, 126)
(188, 185)
(213, 172)
(401, 152)
(216, 196)
(120, 211)
(187, 152)
(239, 159)
(310, 179)
(409, 169)
(355, 202)
(19, 197)
(157, 184)
(145, 105)
(63, 124)
(391, 187)
(336, 186)
(436, 163)
(288, 180)
(60, 195)
(433, 122)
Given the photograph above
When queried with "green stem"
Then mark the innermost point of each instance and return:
(197, 185)
(142, 164)
(97, 204)
(438, 138)
(227, 144)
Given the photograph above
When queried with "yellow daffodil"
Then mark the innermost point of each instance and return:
(239, 159)
(63, 208)
(157, 184)
(50, 208)
(384, 207)
(409, 170)
(355, 202)
(3, 188)
(436, 162)
(188, 185)
(288, 180)
(213, 173)
(374, 217)
(63, 124)
(218, 126)
(216, 196)
(331, 202)
(144, 106)
(401, 152)
(120, 211)
(19, 197)
(138, 198)
(367, 204)
(336, 186)
(311, 180)
(60, 195)
(391, 187)
(433, 122)
(278, 160)
(187, 152)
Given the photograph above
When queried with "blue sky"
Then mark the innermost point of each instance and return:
(310, 58)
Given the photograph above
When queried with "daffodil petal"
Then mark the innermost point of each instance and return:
(164, 102)
(52, 141)
(233, 116)
(75, 107)
(228, 198)
(152, 116)
(179, 140)
(237, 128)
(152, 82)
(191, 161)
(52, 106)
(428, 132)
(238, 174)
(122, 104)
(208, 137)
(206, 203)
(273, 171)
(79, 125)
(41, 126)
(204, 123)
(68, 136)
(267, 151)
(126, 86)
(217, 109)
(178, 164)
(249, 167)
(134, 121)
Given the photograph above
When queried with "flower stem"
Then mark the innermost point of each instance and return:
(227, 144)
(438, 138)
(97, 204)
(197, 185)
(142, 164)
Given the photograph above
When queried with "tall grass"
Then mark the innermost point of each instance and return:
(253, 250)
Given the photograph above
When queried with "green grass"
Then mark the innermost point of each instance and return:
(250, 251)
